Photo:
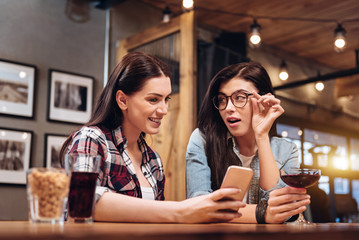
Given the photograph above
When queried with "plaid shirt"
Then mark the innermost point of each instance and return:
(117, 173)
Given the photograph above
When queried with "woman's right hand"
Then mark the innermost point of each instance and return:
(286, 202)
(211, 207)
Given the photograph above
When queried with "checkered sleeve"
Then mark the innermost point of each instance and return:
(90, 141)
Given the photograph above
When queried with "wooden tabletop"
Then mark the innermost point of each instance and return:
(12, 230)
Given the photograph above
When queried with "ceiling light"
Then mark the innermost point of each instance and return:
(166, 15)
(300, 132)
(319, 86)
(284, 134)
(254, 36)
(339, 38)
(187, 5)
(283, 71)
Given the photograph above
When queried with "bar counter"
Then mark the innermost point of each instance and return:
(16, 230)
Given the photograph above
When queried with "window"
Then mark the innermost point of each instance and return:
(322, 147)
(355, 188)
(341, 186)
(330, 153)
(354, 156)
(292, 134)
(324, 184)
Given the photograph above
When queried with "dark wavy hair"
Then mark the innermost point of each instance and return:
(219, 152)
(129, 75)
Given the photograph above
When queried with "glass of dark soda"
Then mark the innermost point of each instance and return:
(84, 174)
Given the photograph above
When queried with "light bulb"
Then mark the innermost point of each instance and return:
(339, 39)
(339, 42)
(319, 86)
(166, 15)
(283, 76)
(300, 132)
(283, 71)
(254, 36)
(187, 4)
(284, 134)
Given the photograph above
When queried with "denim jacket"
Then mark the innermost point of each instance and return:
(198, 173)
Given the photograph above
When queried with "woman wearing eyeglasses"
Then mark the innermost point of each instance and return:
(234, 121)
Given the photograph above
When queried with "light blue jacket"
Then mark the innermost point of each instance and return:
(198, 173)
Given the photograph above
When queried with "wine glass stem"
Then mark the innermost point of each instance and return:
(301, 218)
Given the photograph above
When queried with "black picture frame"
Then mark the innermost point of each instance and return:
(17, 89)
(15, 155)
(70, 97)
(53, 144)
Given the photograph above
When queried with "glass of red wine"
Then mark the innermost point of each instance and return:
(300, 178)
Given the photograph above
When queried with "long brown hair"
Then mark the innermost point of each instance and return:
(218, 150)
(129, 75)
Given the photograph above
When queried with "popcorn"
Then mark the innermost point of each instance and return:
(47, 192)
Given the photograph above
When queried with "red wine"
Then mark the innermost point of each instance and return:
(82, 193)
(301, 180)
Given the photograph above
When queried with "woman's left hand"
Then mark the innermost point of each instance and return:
(266, 109)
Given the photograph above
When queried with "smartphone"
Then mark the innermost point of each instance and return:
(238, 177)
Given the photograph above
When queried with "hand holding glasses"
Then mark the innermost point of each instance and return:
(239, 99)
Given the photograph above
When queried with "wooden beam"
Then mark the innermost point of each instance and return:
(152, 34)
(326, 77)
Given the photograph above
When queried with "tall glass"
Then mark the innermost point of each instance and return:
(84, 173)
(300, 178)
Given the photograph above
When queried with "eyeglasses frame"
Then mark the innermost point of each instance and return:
(241, 91)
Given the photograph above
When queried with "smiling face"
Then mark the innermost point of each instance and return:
(237, 120)
(144, 110)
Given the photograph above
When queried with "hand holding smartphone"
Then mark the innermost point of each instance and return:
(238, 177)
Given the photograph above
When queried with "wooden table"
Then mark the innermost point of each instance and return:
(15, 230)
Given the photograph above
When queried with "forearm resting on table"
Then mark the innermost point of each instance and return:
(114, 207)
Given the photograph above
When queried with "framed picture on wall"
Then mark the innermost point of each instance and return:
(17, 89)
(53, 144)
(70, 97)
(15, 154)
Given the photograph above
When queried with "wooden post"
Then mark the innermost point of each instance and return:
(188, 96)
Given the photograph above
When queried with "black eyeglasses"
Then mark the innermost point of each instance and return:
(239, 99)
